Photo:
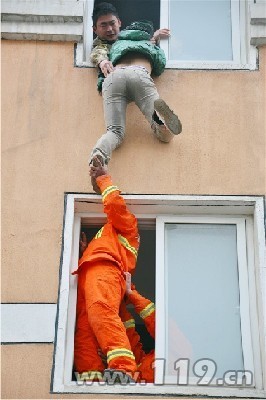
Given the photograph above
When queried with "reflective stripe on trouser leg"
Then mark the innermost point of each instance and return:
(112, 337)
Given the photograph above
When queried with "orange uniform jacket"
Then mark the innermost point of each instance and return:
(101, 287)
(118, 240)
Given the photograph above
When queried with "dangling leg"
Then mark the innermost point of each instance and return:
(115, 103)
(166, 117)
(165, 124)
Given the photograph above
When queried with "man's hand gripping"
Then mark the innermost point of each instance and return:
(97, 169)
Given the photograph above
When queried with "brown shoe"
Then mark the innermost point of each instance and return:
(167, 116)
(162, 133)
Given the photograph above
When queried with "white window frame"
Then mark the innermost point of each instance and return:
(243, 265)
(148, 208)
(244, 54)
(236, 40)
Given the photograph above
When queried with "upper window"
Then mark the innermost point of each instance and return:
(202, 31)
(205, 34)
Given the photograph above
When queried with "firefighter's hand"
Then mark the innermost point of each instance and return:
(106, 67)
(83, 243)
(97, 168)
(128, 283)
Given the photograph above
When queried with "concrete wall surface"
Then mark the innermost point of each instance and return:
(52, 117)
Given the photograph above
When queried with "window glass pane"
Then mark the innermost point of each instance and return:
(200, 30)
(203, 313)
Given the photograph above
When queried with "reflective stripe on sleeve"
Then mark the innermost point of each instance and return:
(99, 233)
(108, 190)
(127, 245)
(148, 310)
(119, 353)
(130, 323)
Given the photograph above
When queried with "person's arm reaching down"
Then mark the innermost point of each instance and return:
(99, 57)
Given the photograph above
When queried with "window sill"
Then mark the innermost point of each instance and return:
(150, 388)
(180, 65)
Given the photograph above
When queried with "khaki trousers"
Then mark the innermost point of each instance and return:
(124, 85)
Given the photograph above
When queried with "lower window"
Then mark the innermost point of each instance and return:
(203, 267)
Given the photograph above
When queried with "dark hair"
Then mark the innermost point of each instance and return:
(103, 9)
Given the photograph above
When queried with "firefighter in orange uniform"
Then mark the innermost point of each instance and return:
(146, 310)
(102, 285)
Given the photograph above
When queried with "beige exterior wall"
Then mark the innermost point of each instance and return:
(51, 118)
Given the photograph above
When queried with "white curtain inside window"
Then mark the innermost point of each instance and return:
(202, 289)
(200, 30)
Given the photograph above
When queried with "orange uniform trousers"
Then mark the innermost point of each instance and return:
(146, 368)
(101, 287)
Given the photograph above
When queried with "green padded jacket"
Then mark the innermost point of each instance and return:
(135, 41)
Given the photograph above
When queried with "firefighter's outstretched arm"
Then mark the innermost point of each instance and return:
(144, 307)
(114, 205)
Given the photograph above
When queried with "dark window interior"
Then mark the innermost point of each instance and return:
(134, 10)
